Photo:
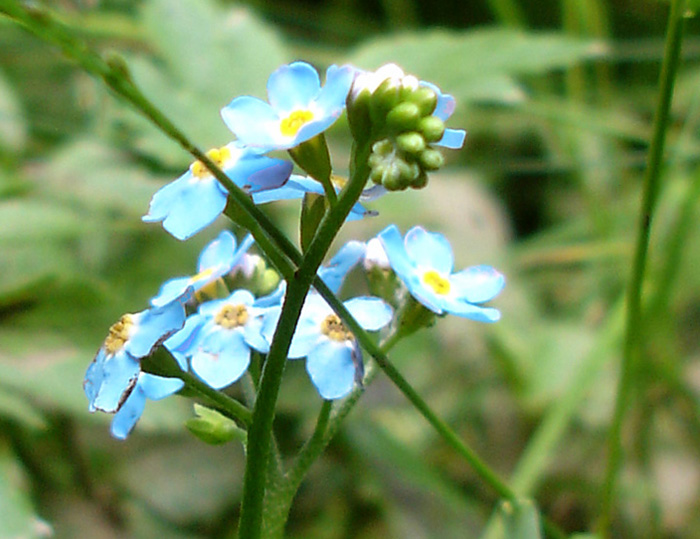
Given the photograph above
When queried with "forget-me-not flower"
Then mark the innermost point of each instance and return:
(196, 199)
(298, 110)
(216, 260)
(218, 339)
(113, 374)
(333, 357)
(424, 262)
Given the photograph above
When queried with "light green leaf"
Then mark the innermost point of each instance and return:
(19, 409)
(468, 64)
(13, 130)
(23, 221)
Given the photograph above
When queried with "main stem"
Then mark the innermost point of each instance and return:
(633, 332)
(260, 432)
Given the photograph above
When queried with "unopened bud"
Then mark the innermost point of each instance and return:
(404, 117)
(431, 159)
(432, 128)
(425, 98)
(412, 143)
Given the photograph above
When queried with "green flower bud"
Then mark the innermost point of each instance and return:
(425, 98)
(412, 143)
(431, 159)
(358, 115)
(212, 427)
(383, 100)
(432, 128)
(404, 117)
(382, 148)
(392, 179)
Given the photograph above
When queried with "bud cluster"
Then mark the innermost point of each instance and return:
(400, 112)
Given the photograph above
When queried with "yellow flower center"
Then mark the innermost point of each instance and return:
(231, 316)
(334, 329)
(296, 120)
(219, 156)
(118, 334)
(437, 282)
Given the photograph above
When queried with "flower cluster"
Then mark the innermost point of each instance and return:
(215, 322)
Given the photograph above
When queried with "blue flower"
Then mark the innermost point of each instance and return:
(298, 186)
(113, 374)
(218, 339)
(216, 260)
(333, 357)
(148, 386)
(299, 107)
(196, 199)
(424, 262)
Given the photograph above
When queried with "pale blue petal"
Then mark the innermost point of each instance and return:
(222, 358)
(425, 295)
(170, 291)
(473, 312)
(452, 139)
(272, 176)
(252, 332)
(334, 93)
(273, 299)
(289, 191)
(218, 252)
(371, 313)
(333, 274)
(253, 121)
(429, 250)
(396, 253)
(159, 387)
(181, 343)
(476, 284)
(313, 128)
(154, 326)
(196, 208)
(110, 379)
(358, 212)
(164, 199)
(292, 87)
(306, 336)
(127, 416)
(331, 369)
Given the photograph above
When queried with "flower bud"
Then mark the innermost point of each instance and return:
(432, 128)
(411, 143)
(404, 117)
(431, 159)
(425, 98)
(421, 181)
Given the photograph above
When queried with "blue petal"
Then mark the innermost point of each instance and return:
(110, 379)
(181, 343)
(170, 291)
(331, 369)
(154, 326)
(222, 358)
(253, 121)
(289, 191)
(273, 175)
(333, 274)
(218, 252)
(164, 199)
(331, 100)
(477, 284)
(198, 205)
(273, 299)
(159, 387)
(252, 333)
(452, 139)
(473, 312)
(396, 253)
(292, 87)
(313, 128)
(429, 250)
(127, 416)
(371, 313)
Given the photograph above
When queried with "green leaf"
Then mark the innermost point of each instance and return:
(25, 221)
(476, 64)
(212, 427)
(20, 409)
(519, 520)
(13, 130)
(17, 516)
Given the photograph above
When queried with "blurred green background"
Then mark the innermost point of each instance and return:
(557, 98)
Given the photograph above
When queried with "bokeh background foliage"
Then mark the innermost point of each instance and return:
(557, 99)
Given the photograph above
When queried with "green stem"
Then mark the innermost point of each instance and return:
(260, 433)
(633, 334)
(225, 404)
